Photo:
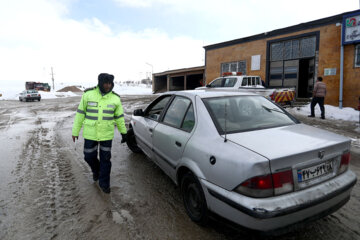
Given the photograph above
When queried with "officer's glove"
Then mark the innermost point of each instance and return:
(124, 138)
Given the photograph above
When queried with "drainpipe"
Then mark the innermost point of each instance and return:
(341, 70)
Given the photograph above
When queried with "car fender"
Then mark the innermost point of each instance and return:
(187, 163)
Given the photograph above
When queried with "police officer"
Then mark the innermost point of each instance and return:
(98, 110)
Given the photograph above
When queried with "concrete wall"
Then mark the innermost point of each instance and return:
(328, 57)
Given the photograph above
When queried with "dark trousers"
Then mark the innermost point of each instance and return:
(320, 101)
(100, 168)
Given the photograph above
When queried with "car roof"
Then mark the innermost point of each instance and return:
(209, 93)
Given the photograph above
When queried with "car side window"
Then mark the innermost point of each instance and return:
(154, 112)
(216, 82)
(229, 82)
(176, 111)
(189, 120)
(244, 82)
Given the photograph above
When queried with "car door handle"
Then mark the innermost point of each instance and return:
(178, 143)
(151, 130)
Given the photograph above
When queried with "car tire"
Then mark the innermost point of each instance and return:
(131, 141)
(20, 100)
(39, 99)
(194, 199)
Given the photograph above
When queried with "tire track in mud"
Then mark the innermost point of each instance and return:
(47, 200)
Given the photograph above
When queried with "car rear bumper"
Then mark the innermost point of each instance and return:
(32, 98)
(266, 214)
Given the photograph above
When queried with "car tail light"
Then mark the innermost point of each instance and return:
(344, 164)
(267, 185)
(39, 95)
(283, 182)
(28, 95)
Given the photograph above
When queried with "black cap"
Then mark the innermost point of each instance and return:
(105, 78)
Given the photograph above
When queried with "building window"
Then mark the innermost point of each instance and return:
(293, 49)
(239, 66)
(357, 55)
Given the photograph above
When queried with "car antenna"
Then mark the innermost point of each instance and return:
(225, 140)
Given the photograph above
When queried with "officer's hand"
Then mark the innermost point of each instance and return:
(124, 138)
(74, 137)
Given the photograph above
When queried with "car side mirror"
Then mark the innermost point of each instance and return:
(138, 112)
(208, 85)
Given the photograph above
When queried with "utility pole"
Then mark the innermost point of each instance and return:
(52, 78)
(152, 69)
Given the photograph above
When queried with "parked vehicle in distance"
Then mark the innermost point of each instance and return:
(29, 95)
(37, 86)
(232, 81)
(242, 157)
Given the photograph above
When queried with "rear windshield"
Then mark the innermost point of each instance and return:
(32, 91)
(246, 113)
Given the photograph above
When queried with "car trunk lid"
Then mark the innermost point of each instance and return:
(312, 154)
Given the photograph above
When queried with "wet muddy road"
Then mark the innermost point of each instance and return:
(47, 192)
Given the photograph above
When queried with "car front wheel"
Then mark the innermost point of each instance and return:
(194, 199)
(131, 141)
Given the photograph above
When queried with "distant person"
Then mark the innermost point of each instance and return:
(98, 110)
(263, 83)
(319, 94)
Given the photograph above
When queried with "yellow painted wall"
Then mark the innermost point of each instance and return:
(329, 57)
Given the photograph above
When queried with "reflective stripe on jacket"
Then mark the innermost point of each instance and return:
(99, 114)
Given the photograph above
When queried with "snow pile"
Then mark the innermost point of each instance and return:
(70, 89)
(331, 112)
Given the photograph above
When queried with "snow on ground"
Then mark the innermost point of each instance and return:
(331, 112)
(12, 93)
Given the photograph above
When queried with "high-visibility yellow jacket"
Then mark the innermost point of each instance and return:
(99, 114)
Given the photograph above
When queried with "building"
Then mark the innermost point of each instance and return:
(295, 56)
(178, 79)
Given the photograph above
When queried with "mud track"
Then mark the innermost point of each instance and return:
(47, 190)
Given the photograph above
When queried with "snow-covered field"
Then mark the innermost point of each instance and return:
(12, 93)
(331, 112)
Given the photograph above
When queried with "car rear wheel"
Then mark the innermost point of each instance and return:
(131, 141)
(194, 199)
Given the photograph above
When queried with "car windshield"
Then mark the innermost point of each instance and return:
(233, 114)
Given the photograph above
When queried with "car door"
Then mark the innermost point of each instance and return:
(172, 133)
(145, 125)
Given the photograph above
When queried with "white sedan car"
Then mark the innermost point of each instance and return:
(29, 95)
(243, 158)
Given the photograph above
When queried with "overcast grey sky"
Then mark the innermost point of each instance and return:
(131, 38)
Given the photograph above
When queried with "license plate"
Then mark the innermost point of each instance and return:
(312, 172)
(34, 95)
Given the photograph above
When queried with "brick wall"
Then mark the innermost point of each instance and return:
(329, 57)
